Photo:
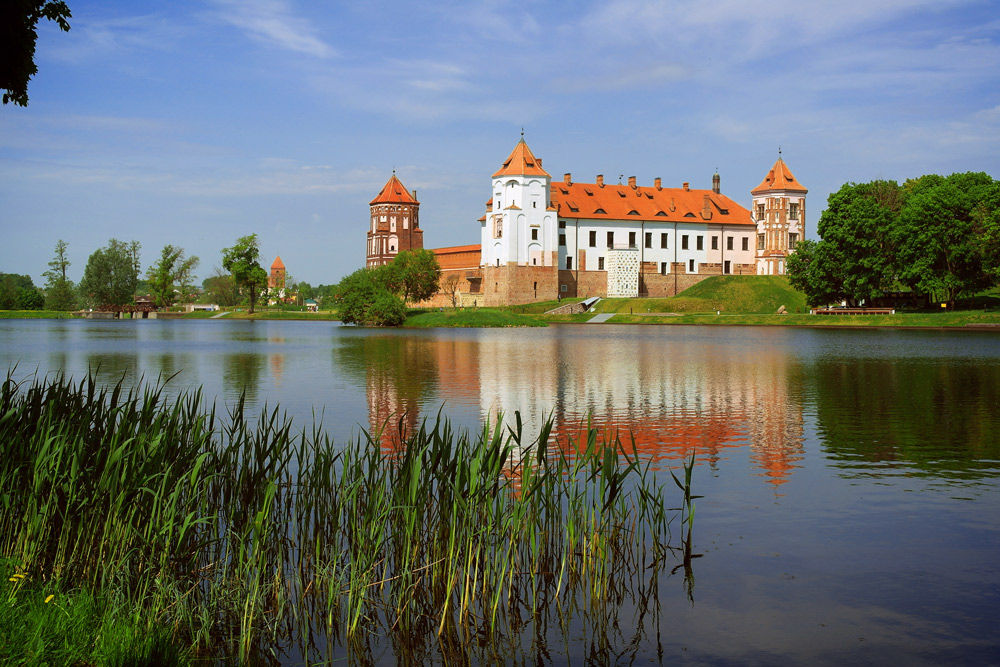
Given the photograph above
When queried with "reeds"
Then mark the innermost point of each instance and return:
(249, 538)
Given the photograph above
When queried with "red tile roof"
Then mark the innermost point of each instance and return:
(278, 264)
(779, 178)
(623, 202)
(521, 162)
(393, 193)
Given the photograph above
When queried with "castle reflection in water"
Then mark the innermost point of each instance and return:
(673, 399)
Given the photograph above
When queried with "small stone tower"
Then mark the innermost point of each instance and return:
(779, 209)
(395, 223)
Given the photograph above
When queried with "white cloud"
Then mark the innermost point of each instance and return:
(272, 22)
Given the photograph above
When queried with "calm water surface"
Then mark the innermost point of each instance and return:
(852, 499)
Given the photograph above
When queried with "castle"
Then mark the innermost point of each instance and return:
(541, 239)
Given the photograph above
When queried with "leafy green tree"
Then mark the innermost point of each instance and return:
(857, 255)
(18, 36)
(414, 275)
(363, 298)
(986, 222)
(111, 275)
(59, 292)
(811, 271)
(221, 289)
(243, 262)
(940, 251)
(171, 275)
(18, 292)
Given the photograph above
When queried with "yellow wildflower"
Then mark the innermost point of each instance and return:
(49, 599)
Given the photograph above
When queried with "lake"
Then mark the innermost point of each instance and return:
(851, 508)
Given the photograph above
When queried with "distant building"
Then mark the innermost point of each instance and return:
(276, 281)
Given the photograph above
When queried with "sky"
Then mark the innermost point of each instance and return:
(196, 122)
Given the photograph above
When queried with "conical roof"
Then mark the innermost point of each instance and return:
(779, 178)
(393, 193)
(277, 264)
(521, 162)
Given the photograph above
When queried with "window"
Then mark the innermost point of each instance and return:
(563, 288)
(611, 239)
(534, 204)
(701, 242)
(649, 239)
(793, 211)
(631, 239)
(760, 242)
(746, 243)
(729, 243)
(569, 263)
(600, 263)
(534, 234)
(684, 242)
(663, 240)
(725, 267)
(663, 268)
(593, 239)
(760, 211)
(562, 239)
(793, 240)
(690, 266)
(562, 224)
(715, 243)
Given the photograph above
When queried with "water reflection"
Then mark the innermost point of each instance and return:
(671, 397)
(241, 372)
(937, 417)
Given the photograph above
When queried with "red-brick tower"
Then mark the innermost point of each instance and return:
(395, 223)
(277, 278)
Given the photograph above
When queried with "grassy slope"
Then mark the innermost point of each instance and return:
(34, 315)
(729, 294)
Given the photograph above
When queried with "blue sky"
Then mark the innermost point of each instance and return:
(196, 122)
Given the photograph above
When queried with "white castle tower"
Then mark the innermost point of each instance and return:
(520, 225)
(779, 209)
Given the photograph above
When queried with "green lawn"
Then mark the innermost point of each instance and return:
(471, 317)
(34, 315)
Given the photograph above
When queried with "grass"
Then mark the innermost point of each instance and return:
(729, 294)
(35, 315)
(470, 317)
(239, 537)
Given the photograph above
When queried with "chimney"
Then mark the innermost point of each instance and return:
(414, 194)
(631, 182)
(568, 178)
(600, 180)
(658, 183)
(673, 206)
(539, 162)
(716, 184)
(706, 208)
(686, 186)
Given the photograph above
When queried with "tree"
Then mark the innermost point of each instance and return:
(220, 288)
(170, 274)
(18, 35)
(414, 274)
(811, 271)
(857, 256)
(940, 251)
(243, 262)
(18, 292)
(59, 292)
(450, 287)
(364, 298)
(111, 275)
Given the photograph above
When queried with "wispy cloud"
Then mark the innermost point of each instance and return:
(274, 23)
